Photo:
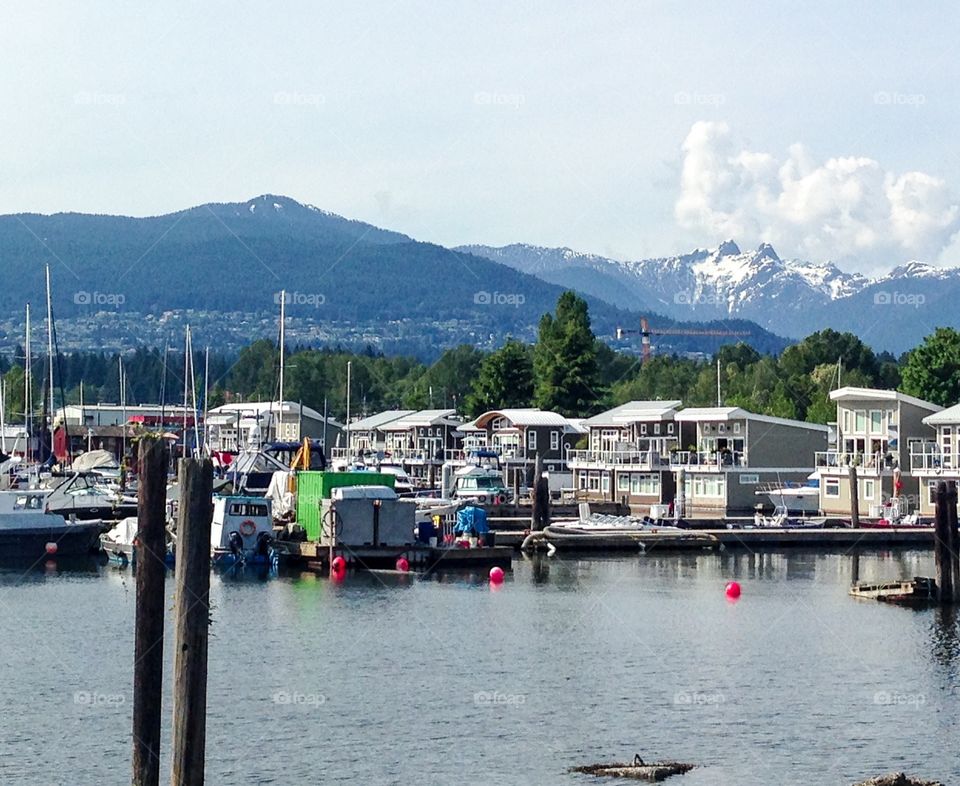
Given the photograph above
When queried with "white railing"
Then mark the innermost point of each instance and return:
(930, 459)
(713, 459)
(633, 458)
(833, 459)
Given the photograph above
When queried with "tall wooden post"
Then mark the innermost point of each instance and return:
(941, 545)
(536, 516)
(953, 543)
(192, 611)
(854, 498)
(150, 556)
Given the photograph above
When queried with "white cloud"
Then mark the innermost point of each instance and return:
(843, 208)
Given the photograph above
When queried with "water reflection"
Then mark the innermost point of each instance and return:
(945, 637)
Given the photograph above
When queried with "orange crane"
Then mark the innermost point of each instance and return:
(646, 331)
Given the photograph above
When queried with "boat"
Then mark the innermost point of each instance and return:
(83, 495)
(119, 543)
(480, 485)
(242, 531)
(33, 535)
(919, 590)
(795, 497)
(782, 519)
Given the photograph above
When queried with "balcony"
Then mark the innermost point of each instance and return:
(927, 459)
(708, 460)
(639, 459)
(838, 462)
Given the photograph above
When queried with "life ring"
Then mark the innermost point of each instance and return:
(500, 500)
(247, 528)
(481, 499)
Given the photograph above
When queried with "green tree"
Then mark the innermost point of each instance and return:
(932, 370)
(566, 371)
(505, 379)
(448, 381)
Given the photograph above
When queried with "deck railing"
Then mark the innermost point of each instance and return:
(622, 457)
(834, 459)
(712, 459)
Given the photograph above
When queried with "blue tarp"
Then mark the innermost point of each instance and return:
(471, 519)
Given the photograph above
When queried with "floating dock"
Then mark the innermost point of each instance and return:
(422, 558)
(776, 537)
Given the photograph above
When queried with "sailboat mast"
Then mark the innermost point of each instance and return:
(283, 325)
(27, 389)
(186, 383)
(123, 410)
(50, 354)
(3, 416)
(206, 396)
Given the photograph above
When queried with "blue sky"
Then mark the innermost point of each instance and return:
(626, 129)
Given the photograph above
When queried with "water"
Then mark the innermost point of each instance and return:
(393, 680)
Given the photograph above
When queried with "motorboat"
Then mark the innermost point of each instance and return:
(82, 495)
(480, 485)
(795, 497)
(119, 543)
(32, 534)
(242, 531)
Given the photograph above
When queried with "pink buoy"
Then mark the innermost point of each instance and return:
(403, 565)
(496, 575)
(733, 590)
(338, 567)
(51, 548)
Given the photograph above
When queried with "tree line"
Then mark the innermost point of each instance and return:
(568, 369)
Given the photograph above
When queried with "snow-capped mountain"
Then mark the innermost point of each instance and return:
(791, 297)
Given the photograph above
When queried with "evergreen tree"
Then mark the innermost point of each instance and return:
(932, 370)
(505, 379)
(566, 370)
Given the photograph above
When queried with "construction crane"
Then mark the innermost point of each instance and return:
(646, 331)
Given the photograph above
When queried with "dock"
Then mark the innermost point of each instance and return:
(776, 537)
(422, 558)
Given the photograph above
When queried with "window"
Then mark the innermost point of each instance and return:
(876, 421)
(554, 440)
(247, 509)
(736, 428)
(643, 429)
(846, 421)
(669, 428)
(593, 482)
(932, 492)
(861, 424)
(869, 489)
(831, 488)
(581, 480)
(605, 482)
(709, 486)
(532, 439)
(656, 428)
(722, 428)
(623, 482)
(648, 485)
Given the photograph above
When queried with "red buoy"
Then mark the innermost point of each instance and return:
(338, 568)
(496, 575)
(51, 548)
(403, 565)
(733, 590)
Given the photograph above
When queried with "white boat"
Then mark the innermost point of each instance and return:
(242, 531)
(481, 485)
(795, 497)
(119, 543)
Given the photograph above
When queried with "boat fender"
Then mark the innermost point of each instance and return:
(482, 498)
(247, 527)
(501, 500)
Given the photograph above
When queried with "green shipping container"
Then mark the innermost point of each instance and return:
(315, 486)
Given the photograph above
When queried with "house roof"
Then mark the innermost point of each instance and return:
(634, 411)
(254, 408)
(724, 414)
(380, 419)
(524, 417)
(425, 417)
(946, 416)
(875, 394)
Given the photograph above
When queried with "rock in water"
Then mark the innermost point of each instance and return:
(654, 772)
(897, 779)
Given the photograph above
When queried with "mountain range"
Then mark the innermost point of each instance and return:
(120, 281)
(790, 297)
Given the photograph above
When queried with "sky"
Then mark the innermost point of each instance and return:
(626, 129)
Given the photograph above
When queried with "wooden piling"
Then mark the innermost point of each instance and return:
(150, 557)
(854, 497)
(192, 610)
(941, 545)
(953, 544)
(540, 493)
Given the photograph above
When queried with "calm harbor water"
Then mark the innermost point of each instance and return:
(386, 679)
